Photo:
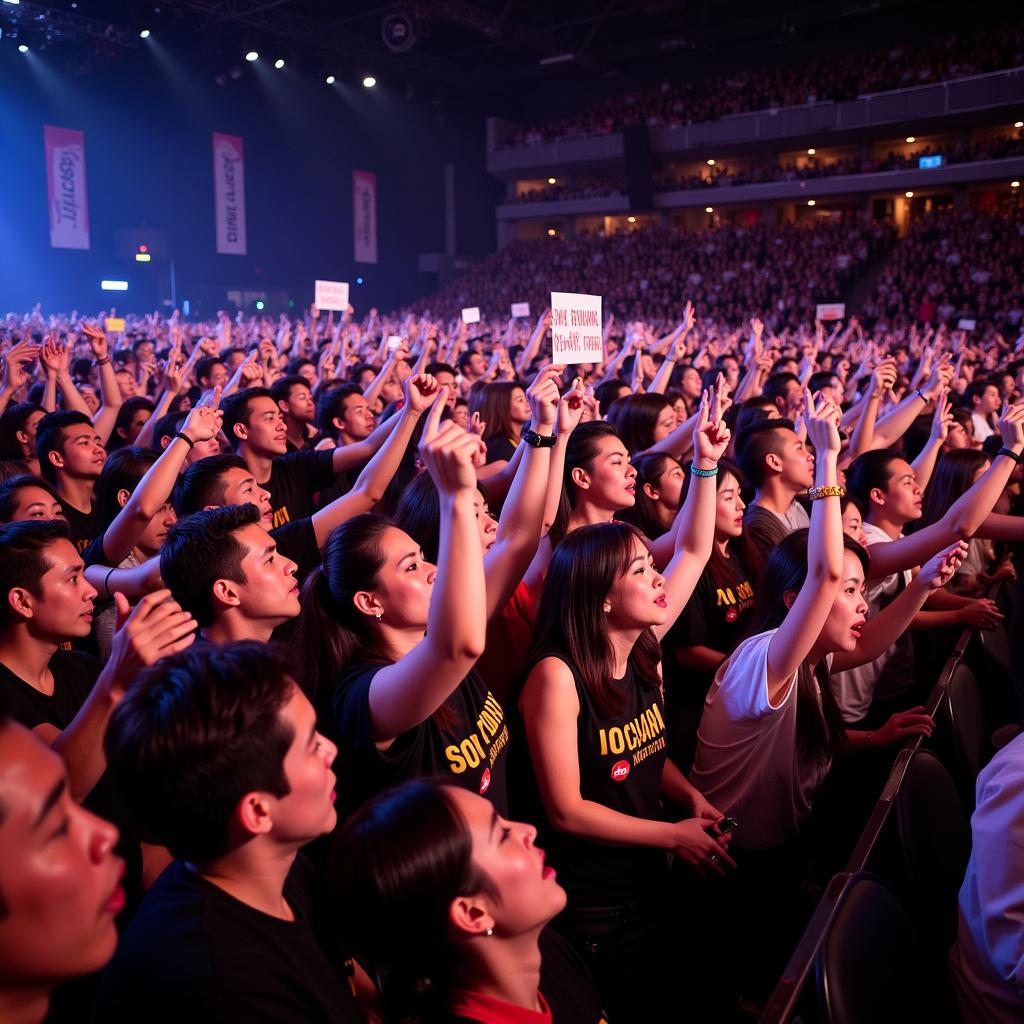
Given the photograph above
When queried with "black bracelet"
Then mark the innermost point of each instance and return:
(188, 440)
(106, 580)
(103, 362)
(1010, 454)
(535, 440)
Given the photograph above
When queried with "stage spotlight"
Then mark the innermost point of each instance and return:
(23, 48)
(359, 280)
(552, 232)
(811, 202)
(632, 220)
(1014, 184)
(811, 151)
(114, 286)
(911, 138)
(259, 303)
(329, 79)
(144, 34)
(711, 163)
(552, 181)
(709, 209)
(369, 82)
(251, 56)
(909, 195)
(279, 63)
(1018, 124)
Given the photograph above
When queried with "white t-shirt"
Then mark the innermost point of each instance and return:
(987, 962)
(748, 764)
(982, 430)
(854, 688)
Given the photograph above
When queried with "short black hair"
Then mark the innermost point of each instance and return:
(166, 427)
(195, 733)
(282, 387)
(775, 385)
(757, 441)
(9, 492)
(201, 549)
(202, 483)
(236, 410)
(50, 437)
(331, 404)
(435, 368)
(204, 367)
(23, 557)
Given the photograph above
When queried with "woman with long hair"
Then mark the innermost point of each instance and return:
(713, 622)
(659, 484)
(18, 425)
(449, 905)
(771, 726)
(596, 771)
(390, 642)
(504, 409)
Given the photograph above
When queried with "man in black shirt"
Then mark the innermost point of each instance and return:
(59, 879)
(295, 400)
(216, 750)
(71, 457)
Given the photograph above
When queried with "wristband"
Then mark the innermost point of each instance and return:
(920, 394)
(103, 362)
(814, 493)
(702, 472)
(535, 440)
(106, 580)
(1010, 454)
(184, 437)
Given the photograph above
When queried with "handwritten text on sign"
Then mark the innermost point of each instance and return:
(331, 295)
(576, 328)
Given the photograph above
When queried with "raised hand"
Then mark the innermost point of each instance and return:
(204, 421)
(710, 434)
(822, 421)
(543, 396)
(1010, 428)
(97, 341)
(420, 392)
(942, 567)
(942, 419)
(16, 363)
(55, 357)
(450, 453)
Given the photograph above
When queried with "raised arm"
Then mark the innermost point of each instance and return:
(406, 693)
(110, 393)
(802, 626)
(942, 420)
(16, 375)
(529, 352)
(56, 358)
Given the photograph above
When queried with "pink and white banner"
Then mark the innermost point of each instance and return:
(364, 215)
(229, 193)
(65, 187)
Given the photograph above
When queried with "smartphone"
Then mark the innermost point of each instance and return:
(727, 825)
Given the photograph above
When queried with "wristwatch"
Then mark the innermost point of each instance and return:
(535, 440)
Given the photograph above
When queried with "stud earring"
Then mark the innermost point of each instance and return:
(489, 932)
(378, 616)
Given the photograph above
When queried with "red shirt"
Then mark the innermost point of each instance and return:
(476, 1006)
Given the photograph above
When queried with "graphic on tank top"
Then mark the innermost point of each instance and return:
(481, 746)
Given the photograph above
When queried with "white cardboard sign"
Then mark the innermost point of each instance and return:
(965, 325)
(830, 311)
(576, 328)
(520, 309)
(331, 295)
(471, 315)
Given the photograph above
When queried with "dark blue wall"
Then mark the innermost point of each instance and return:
(147, 123)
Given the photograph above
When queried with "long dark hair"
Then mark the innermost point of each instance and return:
(13, 419)
(649, 470)
(122, 471)
(397, 865)
(952, 477)
(571, 616)
(125, 415)
(494, 403)
(333, 634)
(819, 727)
(581, 449)
(634, 418)
(419, 514)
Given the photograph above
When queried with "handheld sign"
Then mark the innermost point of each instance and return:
(965, 325)
(394, 340)
(331, 295)
(115, 325)
(520, 309)
(471, 315)
(830, 311)
(576, 328)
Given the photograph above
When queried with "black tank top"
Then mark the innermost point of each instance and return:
(621, 761)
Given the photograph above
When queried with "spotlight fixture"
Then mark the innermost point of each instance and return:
(632, 220)
(114, 286)
(711, 163)
(911, 138)
(279, 63)
(909, 195)
(1015, 184)
(369, 82)
(552, 181)
(552, 232)
(251, 56)
(811, 151)
(812, 202)
(23, 48)
(259, 304)
(329, 79)
(709, 209)
(1018, 124)
(144, 34)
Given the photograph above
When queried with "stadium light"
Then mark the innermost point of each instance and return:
(329, 79)
(632, 220)
(911, 138)
(811, 151)
(114, 286)
(812, 202)
(1014, 184)
(711, 163)
(909, 195)
(709, 209)
(369, 82)
(552, 232)
(251, 56)
(1018, 124)
(23, 48)
(552, 181)
(144, 34)
(279, 63)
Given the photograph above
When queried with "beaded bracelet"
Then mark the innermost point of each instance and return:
(703, 472)
(814, 493)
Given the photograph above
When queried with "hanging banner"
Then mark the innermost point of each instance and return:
(364, 215)
(65, 187)
(229, 193)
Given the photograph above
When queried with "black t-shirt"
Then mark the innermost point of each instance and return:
(196, 955)
(297, 540)
(500, 449)
(565, 983)
(472, 755)
(81, 525)
(620, 763)
(294, 479)
(74, 675)
(716, 616)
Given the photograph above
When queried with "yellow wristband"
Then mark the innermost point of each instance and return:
(814, 493)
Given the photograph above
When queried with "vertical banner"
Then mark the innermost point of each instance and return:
(364, 215)
(229, 193)
(65, 187)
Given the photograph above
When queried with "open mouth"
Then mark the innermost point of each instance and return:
(661, 601)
